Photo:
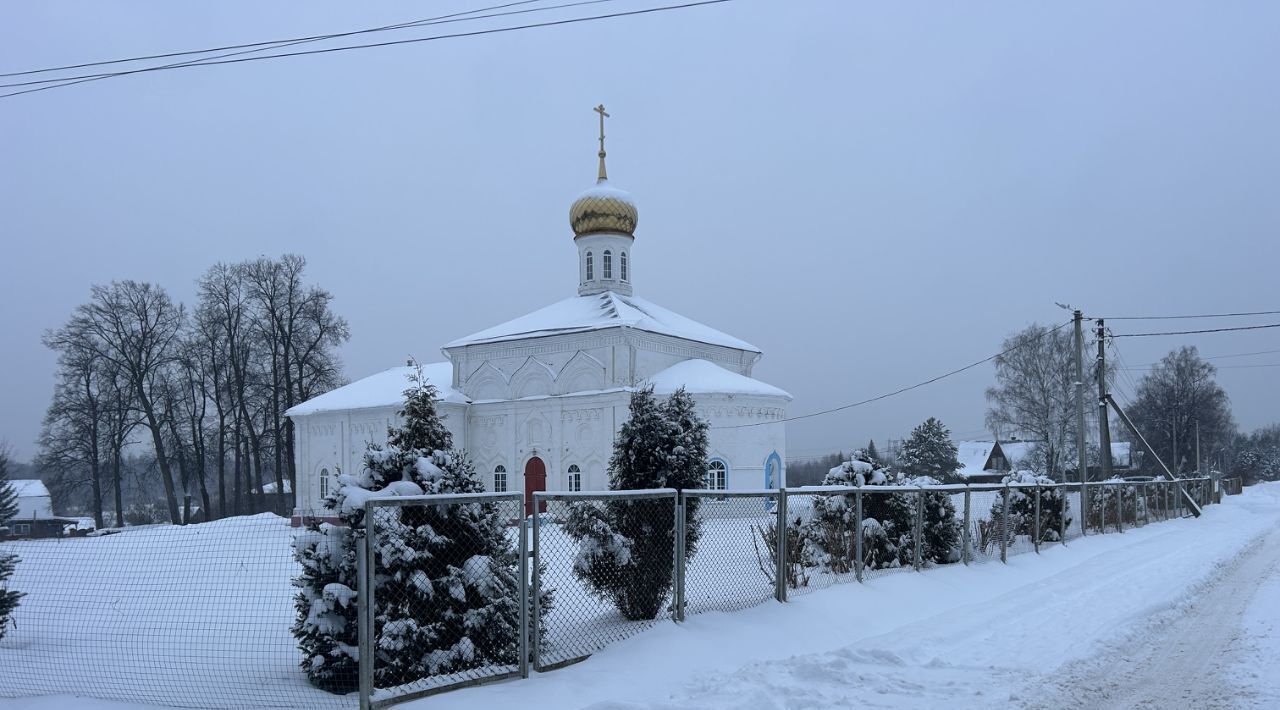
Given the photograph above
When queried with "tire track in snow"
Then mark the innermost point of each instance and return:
(1182, 660)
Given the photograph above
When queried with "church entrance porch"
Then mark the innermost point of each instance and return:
(535, 479)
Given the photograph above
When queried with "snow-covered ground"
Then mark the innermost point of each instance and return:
(1184, 613)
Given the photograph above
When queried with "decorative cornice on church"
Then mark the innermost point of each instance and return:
(582, 415)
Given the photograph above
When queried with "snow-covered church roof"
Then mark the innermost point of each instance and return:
(703, 377)
(581, 314)
(381, 390)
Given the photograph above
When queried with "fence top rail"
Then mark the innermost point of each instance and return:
(596, 495)
(712, 493)
(441, 498)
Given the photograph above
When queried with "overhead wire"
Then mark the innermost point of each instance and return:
(281, 44)
(475, 33)
(902, 390)
(334, 35)
(1195, 332)
(1206, 315)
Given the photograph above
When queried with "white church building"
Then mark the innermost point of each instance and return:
(536, 401)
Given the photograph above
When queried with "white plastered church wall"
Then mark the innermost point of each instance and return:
(556, 383)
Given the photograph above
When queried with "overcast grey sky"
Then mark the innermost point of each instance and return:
(873, 193)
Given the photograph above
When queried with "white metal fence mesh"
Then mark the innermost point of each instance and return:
(200, 616)
(596, 603)
(183, 616)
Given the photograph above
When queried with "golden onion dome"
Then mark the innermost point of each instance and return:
(603, 209)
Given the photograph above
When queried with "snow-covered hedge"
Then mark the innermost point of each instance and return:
(1022, 509)
(888, 521)
(1103, 504)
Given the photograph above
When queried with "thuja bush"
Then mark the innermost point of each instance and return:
(626, 546)
(1022, 508)
(448, 589)
(888, 521)
(1103, 506)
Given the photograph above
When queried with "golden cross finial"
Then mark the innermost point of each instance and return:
(600, 110)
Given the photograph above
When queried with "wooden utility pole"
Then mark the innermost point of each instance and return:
(1081, 448)
(1104, 427)
(1082, 452)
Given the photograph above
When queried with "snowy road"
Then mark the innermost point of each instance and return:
(1191, 654)
(1166, 616)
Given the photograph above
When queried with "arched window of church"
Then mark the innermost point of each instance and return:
(608, 264)
(717, 475)
(575, 476)
(324, 483)
(500, 479)
(622, 264)
(590, 269)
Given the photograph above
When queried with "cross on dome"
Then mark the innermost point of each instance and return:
(603, 115)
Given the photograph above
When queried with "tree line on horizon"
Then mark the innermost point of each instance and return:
(175, 407)
(1034, 398)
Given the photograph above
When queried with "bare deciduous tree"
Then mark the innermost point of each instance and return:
(1035, 395)
(135, 327)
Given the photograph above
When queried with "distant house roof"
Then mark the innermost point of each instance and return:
(34, 502)
(384, 389)
(973, 456)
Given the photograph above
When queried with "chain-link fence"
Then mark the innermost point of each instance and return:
(187, 616)
(607, 560)
(449, 594)
(469, 588)
(732, 564)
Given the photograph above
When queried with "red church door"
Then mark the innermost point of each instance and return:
(535, 479)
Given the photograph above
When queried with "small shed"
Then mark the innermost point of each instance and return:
(35, 516)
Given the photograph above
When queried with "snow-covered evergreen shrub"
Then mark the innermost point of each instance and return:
(1102, 504)
(626, 546)
(447, 583)
(1022, 508)
(8, 563)
(929, 451)
(888, 521)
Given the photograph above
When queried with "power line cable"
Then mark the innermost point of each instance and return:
(896, 392)
(428, 22)
(1195, 332)
(476, 33)
(269, 43)
(1149, 365)
(1260, 352)
(441, 20)
(1123, 369)
(1207, 315)
(1148, 368)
